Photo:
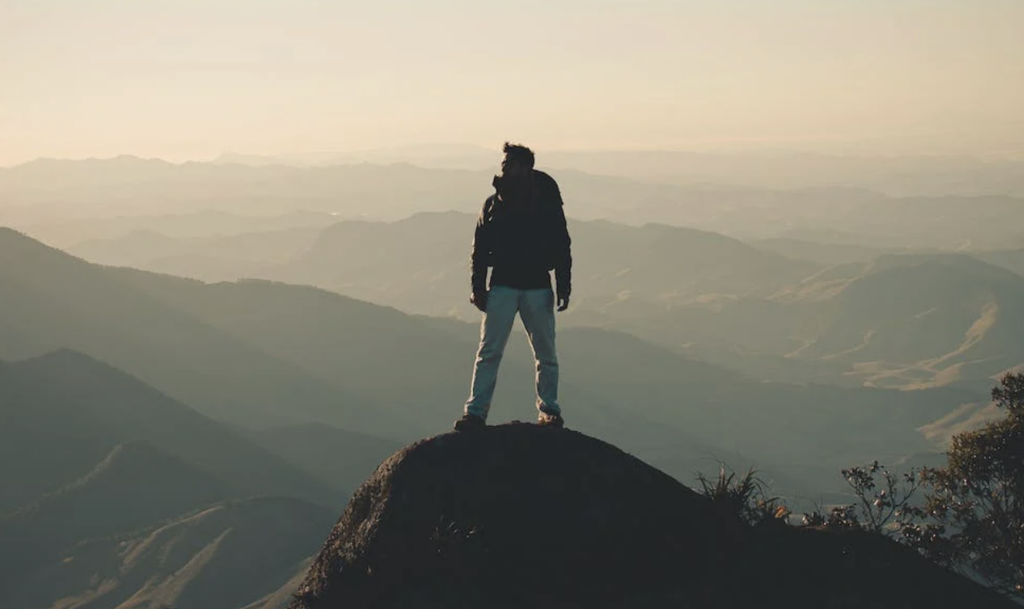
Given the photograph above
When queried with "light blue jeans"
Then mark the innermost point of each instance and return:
(537, 310)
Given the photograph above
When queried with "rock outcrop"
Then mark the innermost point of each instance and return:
(523, 516)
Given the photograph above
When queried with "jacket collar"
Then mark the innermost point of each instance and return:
(507, 190)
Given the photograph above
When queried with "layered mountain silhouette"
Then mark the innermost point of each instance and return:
(64, 412)
(132, 488)
(55, 301)
(261, 354)
(831, 254)
(891, 174)
(710, 296)
(51, 189)
(232, 555)
(208, 258)
(817, 252)
(899, 320)
(1012, 259)
(125, 235)
(94, 461)
(523, 516)
(43, 192)
(238, 351)
(912, 320)
(656, 264)
(170, 442)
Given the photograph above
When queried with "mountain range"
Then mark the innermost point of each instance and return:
(43, 196)
(242, 554)
(895, 175)
(95, 463)
(784, 309)
(182, 415)
(260, 354)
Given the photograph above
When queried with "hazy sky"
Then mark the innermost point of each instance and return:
(192, 78)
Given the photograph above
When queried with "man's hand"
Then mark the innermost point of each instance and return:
(479, 300)
(563, 302)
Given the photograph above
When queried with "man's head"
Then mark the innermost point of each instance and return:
(518, 161)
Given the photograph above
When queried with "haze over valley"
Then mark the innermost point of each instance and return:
(235, 276)
(331, 326)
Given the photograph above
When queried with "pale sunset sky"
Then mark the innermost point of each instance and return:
(189, 79)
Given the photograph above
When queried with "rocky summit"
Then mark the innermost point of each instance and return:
(523, 516)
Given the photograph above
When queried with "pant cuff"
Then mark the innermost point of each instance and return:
(553, 410)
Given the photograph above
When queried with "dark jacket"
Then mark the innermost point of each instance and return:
(522, 234)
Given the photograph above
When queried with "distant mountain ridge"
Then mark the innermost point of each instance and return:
(69, 403)
(262, 354)
(659, 281)
(657, 264)
(902, 320)
(158, 461)
(60, 301)
(295, 367)
(136, 461)
(227, 556)
(953, 312)
(904, 174)
(43, 193)
(133, 487)
(167, 441)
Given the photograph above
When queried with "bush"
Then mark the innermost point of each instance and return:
(745, 496)
(973, 516)
(883, 500)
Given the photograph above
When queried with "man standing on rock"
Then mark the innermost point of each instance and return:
(522, 235)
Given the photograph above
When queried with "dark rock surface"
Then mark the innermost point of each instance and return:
(523, 516)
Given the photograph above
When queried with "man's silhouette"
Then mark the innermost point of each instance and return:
(521, 234)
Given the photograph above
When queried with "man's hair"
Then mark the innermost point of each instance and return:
(519, 153)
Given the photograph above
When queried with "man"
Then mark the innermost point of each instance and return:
(522, 235)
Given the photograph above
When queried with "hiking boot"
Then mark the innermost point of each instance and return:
(469, 422)
(550, 420)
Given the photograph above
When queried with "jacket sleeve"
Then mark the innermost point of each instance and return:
(483, 247)
(562, 248)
